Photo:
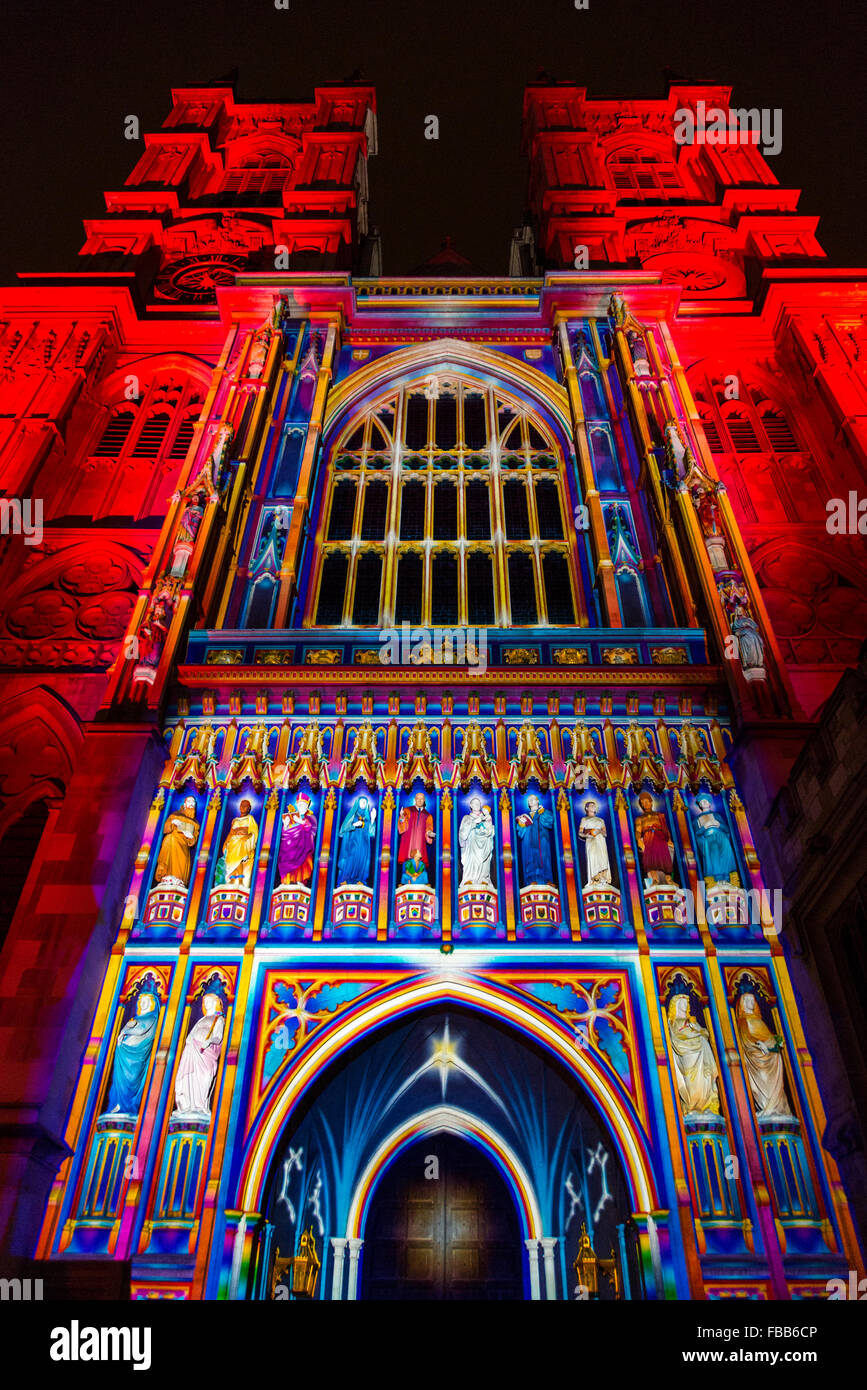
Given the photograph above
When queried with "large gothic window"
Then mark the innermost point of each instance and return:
(447, 503)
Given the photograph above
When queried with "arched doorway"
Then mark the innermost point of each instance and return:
(443, 1225)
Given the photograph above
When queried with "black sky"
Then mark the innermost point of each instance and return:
(73, 71)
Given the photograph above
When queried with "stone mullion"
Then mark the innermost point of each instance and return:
(598, 537)
(300, 508)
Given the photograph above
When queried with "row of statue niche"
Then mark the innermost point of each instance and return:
(196, 1069)
(695, 1066)
(476, 835)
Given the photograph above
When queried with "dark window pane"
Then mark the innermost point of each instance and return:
(444, 589)
(517, 515)
(522, 590)
(116, 434)
(590, 398)
(375, 511)
(331, 589)
(342, 510)
(558, 590)
(475, 427)
(368, 576)
(355, 440)
(445, 512)
(631, 606)
(535, 438)
(407, 607)
(183, 438)
(480, 589)
(779, 433)
(259, 608)
(19, 846)
(714, 443)
(447, 422)
(416, 422)
(478, 512)
(153, 432)
(412, 512)
(743, 436)
(548, 507)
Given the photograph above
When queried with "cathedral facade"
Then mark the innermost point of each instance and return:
(400, 673)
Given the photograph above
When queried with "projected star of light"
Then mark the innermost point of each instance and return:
(446, 1059)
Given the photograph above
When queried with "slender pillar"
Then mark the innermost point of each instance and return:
(532, 1245)
(355, 1243)
(549, 1246)
(338, 1245)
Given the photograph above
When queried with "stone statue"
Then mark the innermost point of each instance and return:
(180, 835)
(199, 1062)
(297, 840)
(131, 1056)
(717, 857)
(593, 832)
(476, 839)
(654, 843)
(235, 867)
(356, 835)
(695, 1067)
(535, 840)
(763, 1060)
(415, 827)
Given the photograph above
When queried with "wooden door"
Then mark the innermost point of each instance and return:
(456, 1236)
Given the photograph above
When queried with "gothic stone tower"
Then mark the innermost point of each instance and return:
(397, 928)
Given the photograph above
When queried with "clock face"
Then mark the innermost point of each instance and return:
(195, 279)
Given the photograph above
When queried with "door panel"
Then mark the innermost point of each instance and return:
(452, 1237)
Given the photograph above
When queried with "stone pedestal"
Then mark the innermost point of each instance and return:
(726, 906)
(227, 906)
(165, 906)
(602, 906)
(290, 906)
(665, 905)
(540, 906)
(415, 904)
(716, 553)
(477, 907)
(352, 903)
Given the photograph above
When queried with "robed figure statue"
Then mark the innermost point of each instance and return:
(298, 837)
(654, 841)
(763, 1060)
(131, 1056)
(476, 839)
(718, 863)
(180, 834)
(594, 832)
(235, 867)
(356, 834)
(199, 1062)
(533, 833)
(415, 827)
(695, 1067)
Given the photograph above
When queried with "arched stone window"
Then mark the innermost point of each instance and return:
(441, 480)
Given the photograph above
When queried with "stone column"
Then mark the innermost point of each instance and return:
(338, 1245)
(355, 1243)
(533, 1253)
(549, 1245)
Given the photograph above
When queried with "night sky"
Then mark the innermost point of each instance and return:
(73, 71)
